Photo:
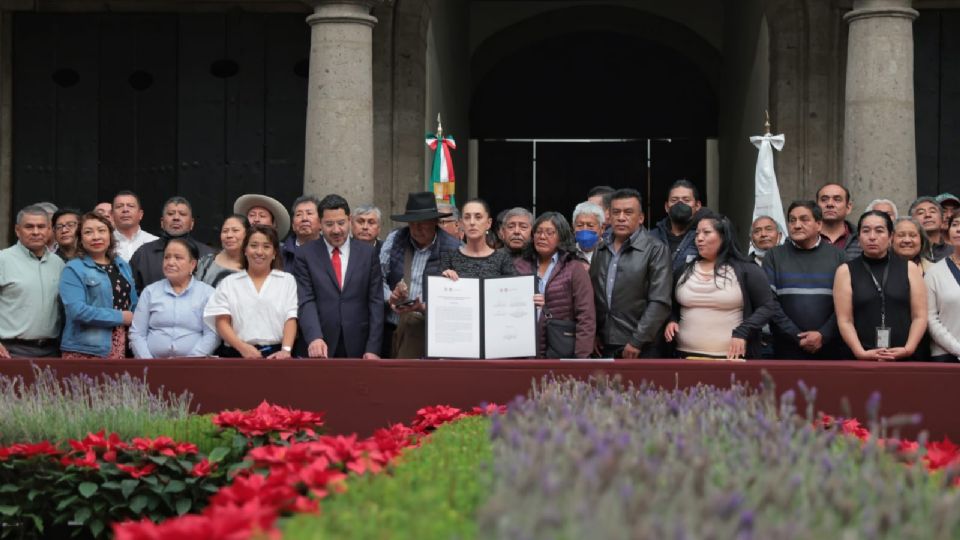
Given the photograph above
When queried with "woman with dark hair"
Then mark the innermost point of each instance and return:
(475, 258)
(943, 300)
(255, 310)
(567, 321)
(721, 300)
(213, 267)
(168, 321)
(881, 300)
(65, 224)
(98, 295)
(911, 242)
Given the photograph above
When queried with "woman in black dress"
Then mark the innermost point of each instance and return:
(881, 301)
(476, 259)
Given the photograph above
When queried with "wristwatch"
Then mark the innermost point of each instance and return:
(286, 349)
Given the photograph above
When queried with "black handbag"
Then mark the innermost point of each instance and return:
(561, 338)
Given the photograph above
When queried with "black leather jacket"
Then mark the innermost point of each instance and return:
(641, 293)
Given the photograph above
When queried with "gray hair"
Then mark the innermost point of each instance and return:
(33, 210)
(875, 202)
(47, 207)
(517, 211)
(587, 207)
(445, 208)
(304, 199)
(924, 199)
(367, 209)
(926, 249)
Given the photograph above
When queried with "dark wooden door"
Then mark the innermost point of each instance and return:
(937, 97)
(207, 106)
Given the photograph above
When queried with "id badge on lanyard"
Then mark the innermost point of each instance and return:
(883, 331)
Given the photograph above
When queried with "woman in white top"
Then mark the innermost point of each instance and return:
(943, 300)
(255, 310)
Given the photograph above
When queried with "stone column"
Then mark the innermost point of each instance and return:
(879, 143)
(339, 136)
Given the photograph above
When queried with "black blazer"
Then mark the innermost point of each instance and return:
(326, 312)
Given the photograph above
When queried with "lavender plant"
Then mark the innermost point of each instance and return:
(601, 459)
(54, 408)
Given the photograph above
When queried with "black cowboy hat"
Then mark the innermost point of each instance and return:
(421, 206)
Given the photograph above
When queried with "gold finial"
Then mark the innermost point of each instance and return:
(766, 124)
(439, 127)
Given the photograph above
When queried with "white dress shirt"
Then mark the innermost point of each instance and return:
(344, 259)
(126, 247)
(257, 317)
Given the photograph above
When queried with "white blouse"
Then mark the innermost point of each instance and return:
(257, 317)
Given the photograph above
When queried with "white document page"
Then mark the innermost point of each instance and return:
(453, 317)
(510, 322)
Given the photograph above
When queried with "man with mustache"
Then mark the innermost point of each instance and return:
(30, 319)
(176, 222)
(306, 228)
(515, 230)
(126, 216)
(835, 205)
(927, 211)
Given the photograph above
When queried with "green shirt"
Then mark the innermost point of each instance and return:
(29, 294)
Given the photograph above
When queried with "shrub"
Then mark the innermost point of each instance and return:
(604, 460)
(432, 491)
(50, 408)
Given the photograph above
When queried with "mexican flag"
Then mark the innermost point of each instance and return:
(442, 180)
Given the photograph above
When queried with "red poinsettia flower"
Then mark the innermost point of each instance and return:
(941, 454)
(203, 468)
(95, 441)
(43, 448)
(88, 460)
(137, 472)
(429, 418)
(234, 522)
(489, 409)
(852, 427)
(267, 418)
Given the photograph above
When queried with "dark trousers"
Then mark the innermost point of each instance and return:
(32, 348)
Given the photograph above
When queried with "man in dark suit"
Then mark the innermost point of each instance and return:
(340, 289)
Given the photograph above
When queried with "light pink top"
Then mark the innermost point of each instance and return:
(709, 311)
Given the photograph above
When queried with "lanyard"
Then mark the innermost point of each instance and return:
(880, 289)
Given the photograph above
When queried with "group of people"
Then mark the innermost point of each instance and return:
(316, 281)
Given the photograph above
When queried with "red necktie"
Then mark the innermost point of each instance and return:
(335, 260)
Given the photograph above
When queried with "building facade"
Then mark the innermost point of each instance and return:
(212, 99)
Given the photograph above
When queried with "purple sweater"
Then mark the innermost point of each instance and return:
(568, 296)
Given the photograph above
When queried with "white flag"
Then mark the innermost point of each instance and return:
(767, 194)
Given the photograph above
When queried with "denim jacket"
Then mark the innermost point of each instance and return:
(87, 296)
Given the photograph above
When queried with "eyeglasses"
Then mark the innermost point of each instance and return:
(65, 226)
(546, 233)
(447, 220)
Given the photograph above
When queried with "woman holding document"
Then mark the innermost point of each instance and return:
(566, 321)
(476, 259)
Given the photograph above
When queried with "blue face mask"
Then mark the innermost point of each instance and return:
(586, 239)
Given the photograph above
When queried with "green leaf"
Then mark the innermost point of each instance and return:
(138, 503)
(96, 527)
(82, 514)
(9, 510)
(66, 502)
(218, 453)
(32, 494)
(151, 480)
(183, 506)
(127, 486)
(175, 486)
(37, 522)
(159, 460)
(9, 488)
(110, 485)
(87, 489)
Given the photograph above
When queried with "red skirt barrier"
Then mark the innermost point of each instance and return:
(362, 395)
